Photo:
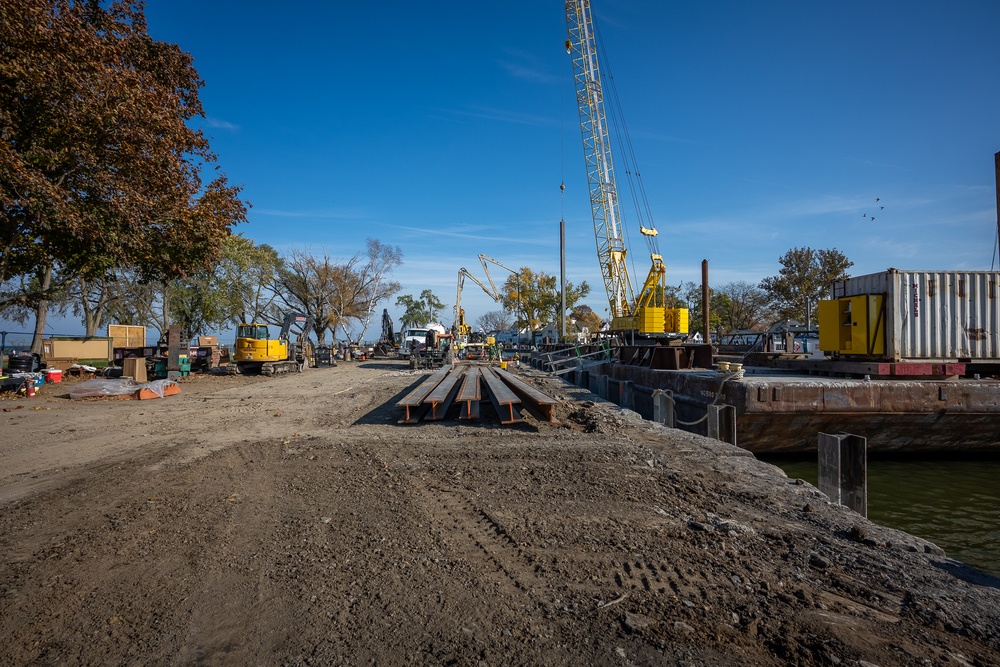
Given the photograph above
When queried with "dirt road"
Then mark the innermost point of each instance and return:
(291, 521)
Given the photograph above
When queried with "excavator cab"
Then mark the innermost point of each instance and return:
(257, 352)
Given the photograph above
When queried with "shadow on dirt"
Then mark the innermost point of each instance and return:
(382, 364)
(969, 574)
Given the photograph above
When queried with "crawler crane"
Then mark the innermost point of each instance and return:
(645, 313)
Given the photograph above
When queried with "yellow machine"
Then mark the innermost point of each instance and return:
(648, 313)
(256, 352)
(853, 326)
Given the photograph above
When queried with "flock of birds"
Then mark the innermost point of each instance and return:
(881, 207)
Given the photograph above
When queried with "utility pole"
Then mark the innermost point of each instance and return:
(562, 278)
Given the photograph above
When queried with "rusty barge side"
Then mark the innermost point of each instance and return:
(778, 411)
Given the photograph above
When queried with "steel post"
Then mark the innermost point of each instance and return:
(722, 423)
(843, 470)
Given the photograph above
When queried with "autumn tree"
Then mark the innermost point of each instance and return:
(419, 311)
(746, 306)
(98, 166)
(535, 297)
(583, 317)
(308, 284)
(804, 278)
(245, 277)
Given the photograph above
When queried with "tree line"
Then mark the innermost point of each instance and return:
(531, 300)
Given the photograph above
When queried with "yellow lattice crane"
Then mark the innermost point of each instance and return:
(645, 312)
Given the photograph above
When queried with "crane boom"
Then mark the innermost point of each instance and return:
(461, 328)
(647, 314)
(604, 204)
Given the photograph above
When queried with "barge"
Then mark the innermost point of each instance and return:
(912, 364)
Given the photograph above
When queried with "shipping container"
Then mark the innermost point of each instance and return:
(933, 315)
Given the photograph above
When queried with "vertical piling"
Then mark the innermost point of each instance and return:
(663, 407)
(722, 423)
(602, 386)
(843, 470)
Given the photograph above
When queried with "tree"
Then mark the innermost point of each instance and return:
(420, 311)
(495, 320)
(746, 306)
(98, 167)
(535, 297)
(308, 284)
(717, 305)
(804, 278)
(372, 285)
(583, 317)
(246, 276)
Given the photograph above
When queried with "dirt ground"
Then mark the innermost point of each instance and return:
(292, 521)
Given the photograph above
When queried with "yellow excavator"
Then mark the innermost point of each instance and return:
(257, 353)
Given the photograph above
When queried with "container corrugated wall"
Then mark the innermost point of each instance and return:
(935, 315)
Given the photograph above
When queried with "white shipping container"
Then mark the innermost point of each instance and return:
(935, 315)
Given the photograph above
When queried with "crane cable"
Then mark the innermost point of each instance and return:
(637, 191)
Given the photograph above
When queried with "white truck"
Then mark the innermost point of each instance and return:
(415, 336)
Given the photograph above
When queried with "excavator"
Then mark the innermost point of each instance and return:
(644, 314)
(257, 353)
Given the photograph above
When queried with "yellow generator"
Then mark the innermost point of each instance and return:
(256, 352)
(853, 326)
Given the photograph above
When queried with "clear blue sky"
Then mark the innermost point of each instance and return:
(447, 127)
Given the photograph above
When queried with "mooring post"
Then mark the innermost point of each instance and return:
(843, 470)
(663, 407)
(722, 423)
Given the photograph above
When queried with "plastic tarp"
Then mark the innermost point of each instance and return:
(117, 387)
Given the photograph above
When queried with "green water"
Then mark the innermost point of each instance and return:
(954, 504)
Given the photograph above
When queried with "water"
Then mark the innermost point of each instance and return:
(954, 504)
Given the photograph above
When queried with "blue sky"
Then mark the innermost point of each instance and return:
(447, 127)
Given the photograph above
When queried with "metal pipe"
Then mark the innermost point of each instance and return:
(704, 302)
(996, 162)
